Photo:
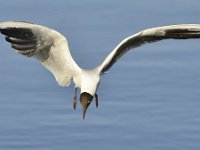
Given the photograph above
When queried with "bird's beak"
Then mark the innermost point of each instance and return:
(85, 99)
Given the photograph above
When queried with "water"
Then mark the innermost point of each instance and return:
(148, 100)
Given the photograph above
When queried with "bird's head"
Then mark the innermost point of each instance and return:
(85, 100)
(89, 86)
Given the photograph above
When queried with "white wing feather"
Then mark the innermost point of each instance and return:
(183, 31)
(45, 44)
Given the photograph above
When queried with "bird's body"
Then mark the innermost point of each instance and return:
(52, 50)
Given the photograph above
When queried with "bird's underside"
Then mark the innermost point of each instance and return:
(51, 49)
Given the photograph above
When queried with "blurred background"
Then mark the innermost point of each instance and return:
(148, 100)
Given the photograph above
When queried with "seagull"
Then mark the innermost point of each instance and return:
(52, 50)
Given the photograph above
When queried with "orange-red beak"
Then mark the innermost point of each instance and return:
(85, 100)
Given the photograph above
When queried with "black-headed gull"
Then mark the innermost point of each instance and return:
(52, 50)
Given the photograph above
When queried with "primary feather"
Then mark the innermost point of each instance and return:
(45, 44)
(183, 31)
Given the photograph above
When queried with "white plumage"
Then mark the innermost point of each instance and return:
(52, 50)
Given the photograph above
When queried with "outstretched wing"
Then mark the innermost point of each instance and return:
(46, 45)
(183, 31)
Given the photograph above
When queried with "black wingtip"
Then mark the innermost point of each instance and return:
(22, 33)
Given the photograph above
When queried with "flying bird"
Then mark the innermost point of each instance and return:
(52, 50)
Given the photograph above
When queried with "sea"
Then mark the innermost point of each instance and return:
(148, 100)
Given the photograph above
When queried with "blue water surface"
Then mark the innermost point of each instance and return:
(149, 100)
